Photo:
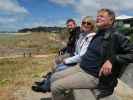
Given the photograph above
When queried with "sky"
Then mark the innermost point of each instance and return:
(19, 14)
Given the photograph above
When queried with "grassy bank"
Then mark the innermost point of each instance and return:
(17, 73)
(35, 43)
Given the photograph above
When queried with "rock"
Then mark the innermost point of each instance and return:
(127, 76)
(86, 94)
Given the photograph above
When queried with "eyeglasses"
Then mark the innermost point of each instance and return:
(87, 23)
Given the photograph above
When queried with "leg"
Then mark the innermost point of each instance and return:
(64, 73)
(79, 80)
(60, 67)
(106, 86)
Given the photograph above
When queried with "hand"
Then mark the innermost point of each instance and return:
(60, 52)
(106, 68)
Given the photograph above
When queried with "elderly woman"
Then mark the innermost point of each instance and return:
(86, 35)
(63, 81)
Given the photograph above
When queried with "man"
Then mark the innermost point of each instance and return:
(118, 52)
(74, 31)
(107, 50)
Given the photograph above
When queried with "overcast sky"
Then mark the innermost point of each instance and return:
(18, 14)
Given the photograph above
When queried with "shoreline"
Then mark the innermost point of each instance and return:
(17, 33)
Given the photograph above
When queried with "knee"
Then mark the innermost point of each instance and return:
(55, 77)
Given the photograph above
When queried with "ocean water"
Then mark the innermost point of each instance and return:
(13, 33)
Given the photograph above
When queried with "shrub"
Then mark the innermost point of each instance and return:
(126, 31)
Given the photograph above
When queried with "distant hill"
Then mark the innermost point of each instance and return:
(42, 29)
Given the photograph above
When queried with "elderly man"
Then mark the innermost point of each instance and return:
(105, 55)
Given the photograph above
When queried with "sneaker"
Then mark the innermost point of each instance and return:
(46, 77)
(38, 89)
(43, 87)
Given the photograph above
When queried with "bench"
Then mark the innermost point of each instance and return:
(86, 94)
(123, 91)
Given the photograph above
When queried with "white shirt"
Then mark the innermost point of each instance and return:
(81, 47)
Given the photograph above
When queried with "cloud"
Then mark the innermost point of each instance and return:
(59, 23)
(63, 2)
(7, 20)
(11, 13)
(90, 7)
(12, 6)
(86, 7)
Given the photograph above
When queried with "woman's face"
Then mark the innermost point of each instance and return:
(86, 26)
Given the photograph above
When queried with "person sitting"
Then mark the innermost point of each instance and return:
(73, 31)
(107, 51)
(86, 35)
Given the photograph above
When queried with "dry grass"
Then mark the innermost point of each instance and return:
(17, 73)
(38, 42)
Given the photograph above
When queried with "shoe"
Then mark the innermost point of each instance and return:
(102, 93)
(47, 75)
(38, 89)
(40, 82)
(43, 87)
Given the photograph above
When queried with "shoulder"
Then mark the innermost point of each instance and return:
(120, 37)
(91, 34)
(114, 32)
(77, 29)
(118, 34)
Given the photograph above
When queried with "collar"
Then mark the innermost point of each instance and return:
(106, 33)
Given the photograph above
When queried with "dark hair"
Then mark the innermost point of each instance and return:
(110, 13)
(70, 20)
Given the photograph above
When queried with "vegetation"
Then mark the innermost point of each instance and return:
(126, 31)
(16, 73)
(43, 29)
(35, 43)
(20, 72)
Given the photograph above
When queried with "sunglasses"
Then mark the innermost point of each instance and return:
(86, 23)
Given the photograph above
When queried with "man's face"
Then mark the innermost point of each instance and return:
(71, 25)
(103, 20)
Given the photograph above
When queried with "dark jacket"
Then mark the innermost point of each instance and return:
(119, 50)
(70, 47)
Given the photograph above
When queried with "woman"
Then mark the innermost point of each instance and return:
(86, 35)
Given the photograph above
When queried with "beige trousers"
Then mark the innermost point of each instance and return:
(72, 78)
